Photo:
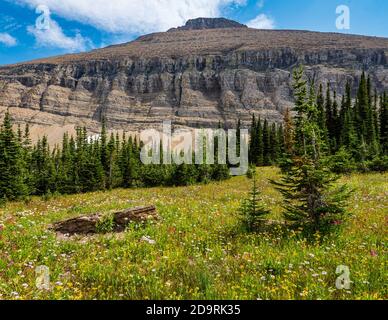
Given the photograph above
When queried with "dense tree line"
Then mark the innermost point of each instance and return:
(82, 164)
(357, 124)
(266, 143)
(354, 130)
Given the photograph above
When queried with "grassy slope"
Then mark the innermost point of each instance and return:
(199, 252)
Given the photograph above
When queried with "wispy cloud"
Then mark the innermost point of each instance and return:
(260, 4)
(262, 21)
(54, 37)
(134, 16)
(8, 24)
(7, 40)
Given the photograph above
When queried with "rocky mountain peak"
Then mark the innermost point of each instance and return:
(210, 23)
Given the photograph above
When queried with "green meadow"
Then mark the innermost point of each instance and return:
(199, 249)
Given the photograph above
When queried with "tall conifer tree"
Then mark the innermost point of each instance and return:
(310, 199)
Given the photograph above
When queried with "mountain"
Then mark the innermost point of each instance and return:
(209, 71)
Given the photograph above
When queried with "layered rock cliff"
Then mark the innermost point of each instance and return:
(208, 72)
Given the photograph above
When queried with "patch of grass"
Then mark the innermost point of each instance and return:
(106, 224)
(200, 252)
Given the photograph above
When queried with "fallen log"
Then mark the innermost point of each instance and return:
(138, 214)
(89, 224)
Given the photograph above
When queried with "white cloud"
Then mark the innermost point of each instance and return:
(133, 16)
(54, 37)
(7, 40)
(262, 21)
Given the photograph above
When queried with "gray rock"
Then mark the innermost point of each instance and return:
(195, 78)
(209, 23)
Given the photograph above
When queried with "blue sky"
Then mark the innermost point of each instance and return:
(81, 25)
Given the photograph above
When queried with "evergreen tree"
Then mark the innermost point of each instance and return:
(348, 135)
(252, 141)
(97, 181)
(19, 135)
(90, 172)
(267, 161)
(346, 104)
(65, 170)
(204, 170)
(384, 123)
(274, 144)
(310, 199)
(364, 117)
(329, 117)
(336, 130)
(289, 132)
(27, 161)
(125, 163)
(26, 138)
(322, 116)
(186, 174)
(12, 167)
(113, 172)
(252, 210)
(348, 138)
(375, 117)
(238, 134)
(281, 144)
(256, 143)
(43, 168)
(104, 148)
(260, 143)
(219, 172)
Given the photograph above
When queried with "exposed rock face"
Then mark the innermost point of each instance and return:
(209, 23)
(195, 78)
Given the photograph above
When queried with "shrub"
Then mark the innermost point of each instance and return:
(106, 224)
(378, 164)
(341, 162)
(251, 172)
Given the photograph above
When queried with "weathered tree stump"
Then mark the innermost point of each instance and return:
(89, 224)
